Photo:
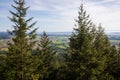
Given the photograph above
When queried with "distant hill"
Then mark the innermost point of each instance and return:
(114, 35)
(4, 35)
(111, 35)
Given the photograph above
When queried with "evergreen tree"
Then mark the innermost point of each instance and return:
(19, 60)
(82, 63)
(106, 55)
(102, 46)
(45, 55)
(101, 42)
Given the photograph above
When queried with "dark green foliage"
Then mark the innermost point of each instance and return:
(45, 55)
(107, 56)
(102, 47)
(19, 59)
(2, 66)
(116, 67)
(113, 65)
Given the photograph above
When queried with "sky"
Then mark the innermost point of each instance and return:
(59, 15)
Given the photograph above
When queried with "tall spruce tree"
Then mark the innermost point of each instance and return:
(45, 55)
(19, 62)
(82, 62)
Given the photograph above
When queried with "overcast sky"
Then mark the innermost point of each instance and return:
(59, 15)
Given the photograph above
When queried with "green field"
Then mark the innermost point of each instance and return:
(60, 42)
(115, 41)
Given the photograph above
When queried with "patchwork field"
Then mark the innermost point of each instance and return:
(60, 40)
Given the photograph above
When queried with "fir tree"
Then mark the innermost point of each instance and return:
(45, 55)
(102, 47)
(82, 63)
(101, 42)
(106, 55)
(19, 61)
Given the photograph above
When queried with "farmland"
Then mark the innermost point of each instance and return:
(59, 40)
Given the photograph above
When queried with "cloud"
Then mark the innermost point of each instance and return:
(110, 1)
(104, 11)
(107, 15)
(62, 9)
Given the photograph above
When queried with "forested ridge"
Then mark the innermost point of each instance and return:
(89, 54)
